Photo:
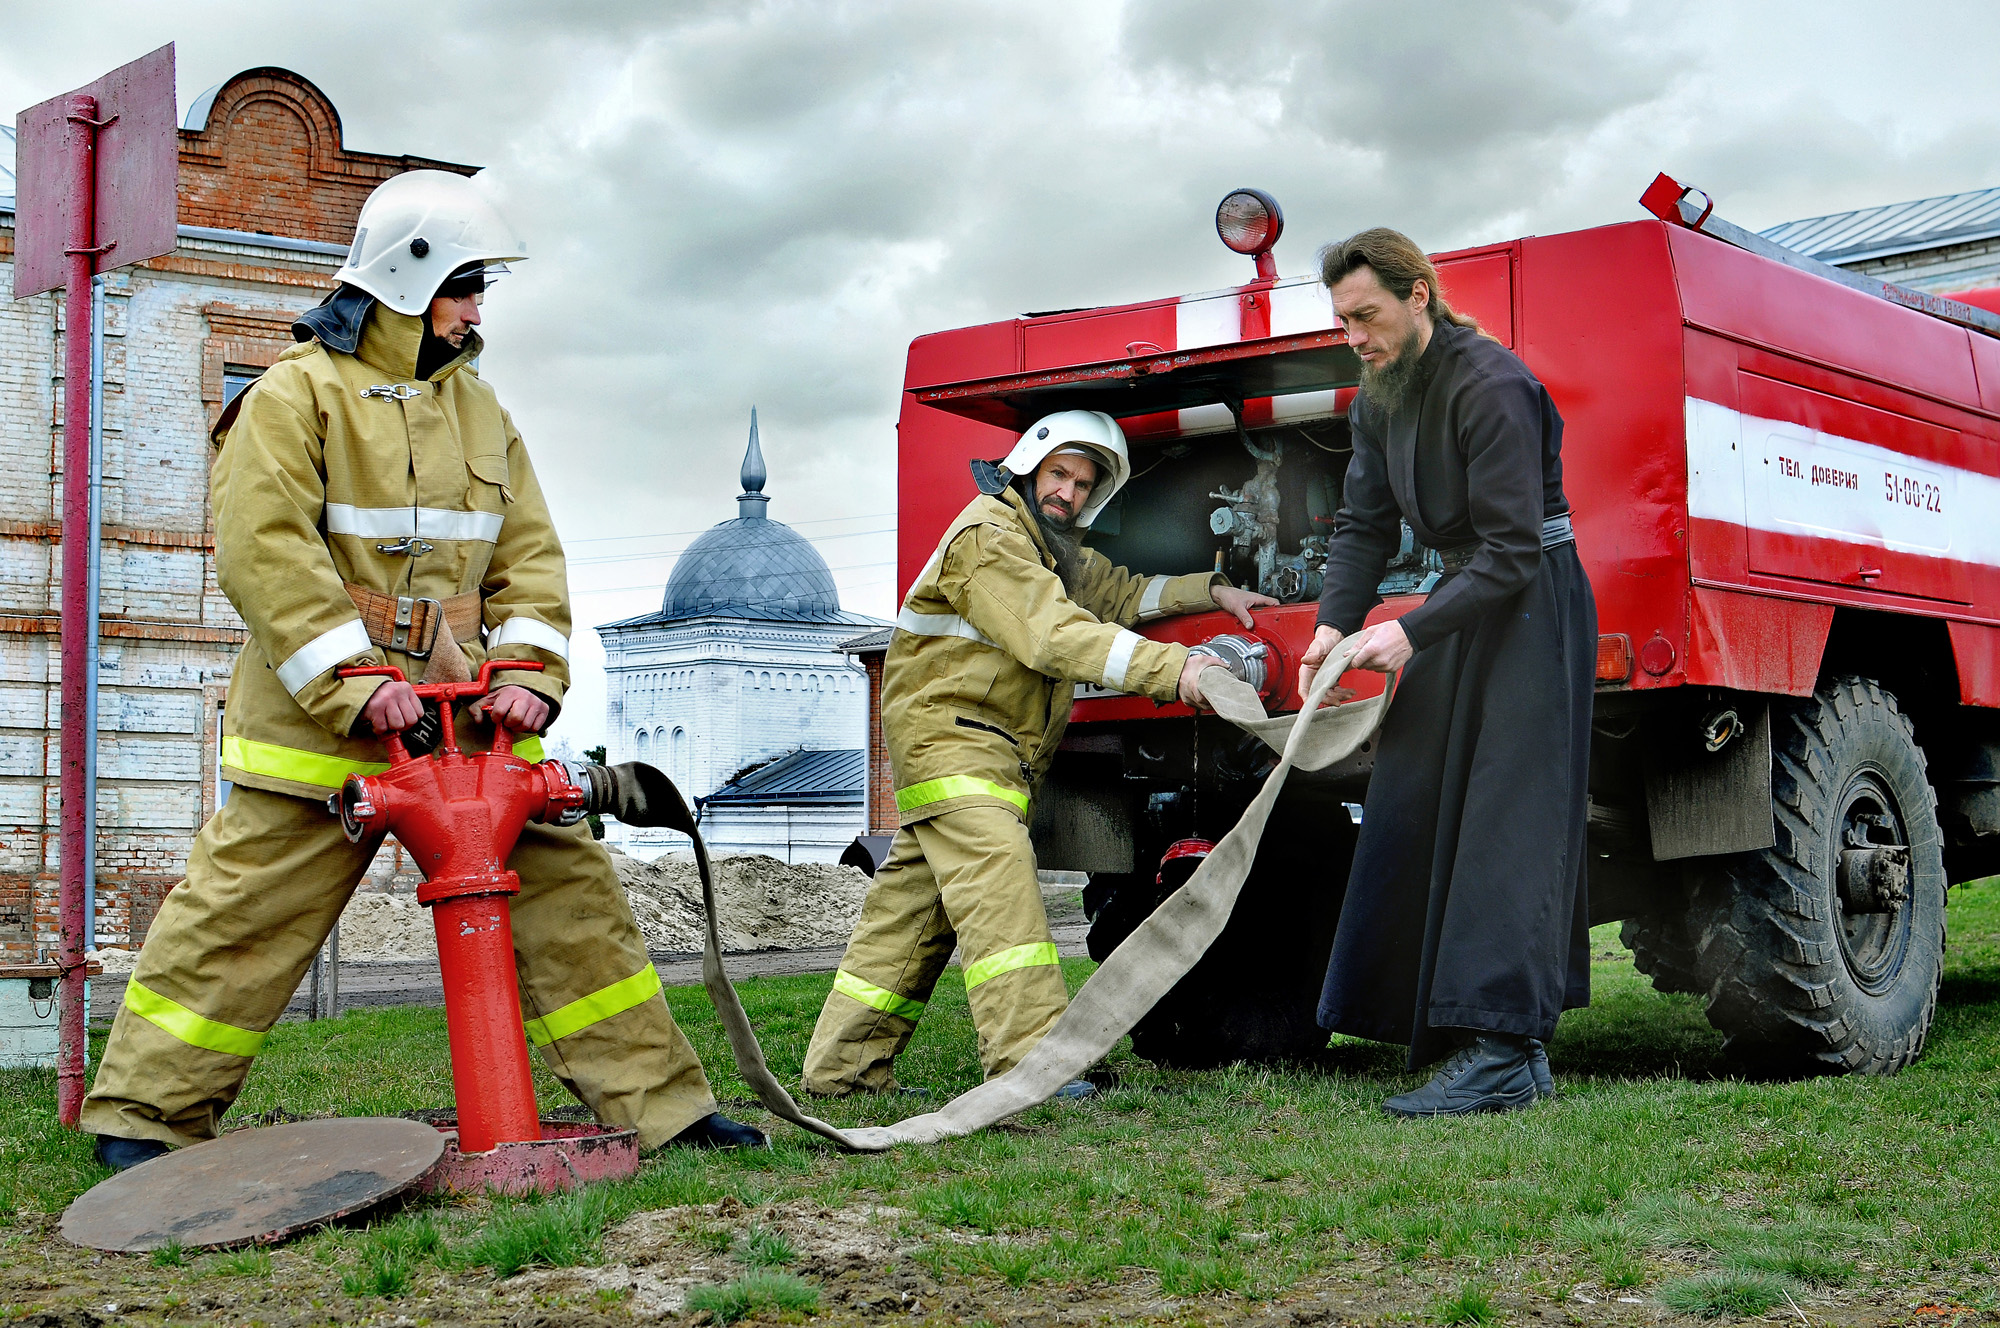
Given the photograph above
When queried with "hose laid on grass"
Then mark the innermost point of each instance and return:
(1157, 954)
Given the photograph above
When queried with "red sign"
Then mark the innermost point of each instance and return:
(137, 170)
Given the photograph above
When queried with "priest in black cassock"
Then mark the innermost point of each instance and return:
(1464, 933)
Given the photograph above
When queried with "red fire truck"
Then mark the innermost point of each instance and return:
(1783, 477)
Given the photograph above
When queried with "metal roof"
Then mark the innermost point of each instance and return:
(6, 168)
(1895, 228)
(802, 777)
(868, 643)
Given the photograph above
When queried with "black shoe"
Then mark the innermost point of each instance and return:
(124, 1154)
(718, 1131)
(1495, 1073)
(1538, 1062)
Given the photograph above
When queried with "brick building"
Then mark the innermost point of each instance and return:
(268, 198)
(872, 650)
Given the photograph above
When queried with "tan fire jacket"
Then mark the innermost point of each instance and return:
(981, 671)
(343, 468)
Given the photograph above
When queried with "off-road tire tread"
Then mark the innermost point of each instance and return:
(1768, 963)
(1664, 948)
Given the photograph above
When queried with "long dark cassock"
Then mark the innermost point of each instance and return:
(1465, 907)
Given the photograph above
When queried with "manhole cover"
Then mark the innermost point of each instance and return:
(255, 1186)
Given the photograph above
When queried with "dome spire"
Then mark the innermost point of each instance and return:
(751, 502)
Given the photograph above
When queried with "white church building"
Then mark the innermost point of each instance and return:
(737, 689)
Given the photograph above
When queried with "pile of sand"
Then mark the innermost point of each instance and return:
(764, 905)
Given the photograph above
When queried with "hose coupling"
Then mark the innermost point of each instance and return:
(1246, 657)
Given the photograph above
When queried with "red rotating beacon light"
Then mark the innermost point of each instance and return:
(460, 816)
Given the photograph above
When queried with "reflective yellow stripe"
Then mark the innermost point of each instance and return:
(317, 768)
(876, 998)
(301, 767)
(956, 786)
(189, 1027)
(1021, 956)
(599, 1005)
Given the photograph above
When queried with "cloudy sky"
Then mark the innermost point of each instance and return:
(738, 203)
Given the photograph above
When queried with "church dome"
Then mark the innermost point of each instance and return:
(752, 566)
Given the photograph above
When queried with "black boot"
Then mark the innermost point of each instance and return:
(123, 1154)
(1495, 1073)
(718, 1131)
(1538, 1061)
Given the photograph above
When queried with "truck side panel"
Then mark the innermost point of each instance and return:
(1600, 327)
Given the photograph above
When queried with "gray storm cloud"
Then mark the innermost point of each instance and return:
(737, 203)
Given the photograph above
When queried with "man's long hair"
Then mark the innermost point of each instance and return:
(1397, 263)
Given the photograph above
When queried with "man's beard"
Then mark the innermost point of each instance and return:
(1397, 385)
(1065, 541)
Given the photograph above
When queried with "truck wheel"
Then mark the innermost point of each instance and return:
(1663, 946)
(1823, 954)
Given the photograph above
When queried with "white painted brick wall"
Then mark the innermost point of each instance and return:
(156, 458)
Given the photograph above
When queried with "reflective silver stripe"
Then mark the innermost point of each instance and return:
(1120, 659)
(322, 653)
(436, 523)
(942, 624)
(1149, 607)
(524, 631)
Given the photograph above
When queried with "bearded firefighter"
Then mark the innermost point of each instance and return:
(1010, 613)
(374, 504)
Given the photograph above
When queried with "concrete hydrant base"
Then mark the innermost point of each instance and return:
(569, 1154)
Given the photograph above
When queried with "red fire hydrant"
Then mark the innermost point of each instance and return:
(460, 816)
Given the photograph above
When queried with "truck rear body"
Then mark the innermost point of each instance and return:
(1786, 493)
(1746, 447)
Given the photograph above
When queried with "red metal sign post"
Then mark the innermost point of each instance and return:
(89, 200)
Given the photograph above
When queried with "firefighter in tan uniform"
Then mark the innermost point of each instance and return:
(374, 504)
(976, 691)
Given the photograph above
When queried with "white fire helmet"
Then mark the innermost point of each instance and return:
(419, 227)
(1090, 432)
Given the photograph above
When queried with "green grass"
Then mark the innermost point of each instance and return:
(1473, 1303)
(1712, 1295)
(767, 1249)
(1246, 1181)
(752, 1292)
(241, 1263)
(551, 1233)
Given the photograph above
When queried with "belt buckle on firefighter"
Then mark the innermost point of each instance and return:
(406, 607)
(392, 391)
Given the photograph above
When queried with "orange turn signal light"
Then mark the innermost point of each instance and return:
(1614, 657)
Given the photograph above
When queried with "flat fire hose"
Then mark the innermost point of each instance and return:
(1129, 982)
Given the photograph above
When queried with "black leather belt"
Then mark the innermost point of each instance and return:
(1556, 531)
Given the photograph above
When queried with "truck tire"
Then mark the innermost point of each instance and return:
(1809, 966)
(1664, 948)
(1254, 997)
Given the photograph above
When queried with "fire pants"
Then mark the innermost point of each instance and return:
(266, 881)
(965, 878)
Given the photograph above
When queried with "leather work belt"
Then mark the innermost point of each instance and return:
(1556, 532)
(422, 628)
